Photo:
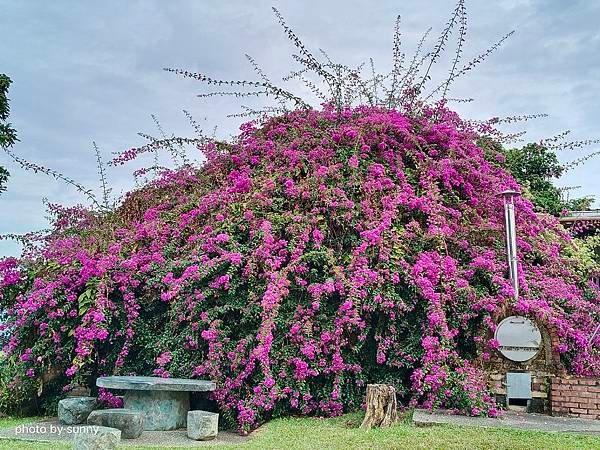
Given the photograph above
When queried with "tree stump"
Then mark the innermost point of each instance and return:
(381, 406)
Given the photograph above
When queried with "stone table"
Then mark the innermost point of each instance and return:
(164, 401)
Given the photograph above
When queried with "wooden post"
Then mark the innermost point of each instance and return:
(381, 406)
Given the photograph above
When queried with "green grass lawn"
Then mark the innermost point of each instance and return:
(342, 433)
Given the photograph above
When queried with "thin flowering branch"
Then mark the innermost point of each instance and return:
(439, 48)
(257, 69)
(416, 63)
(554, 139)
(460, 100)
(262, 114)
(196, 126)
(314, 89)
(26, 239)
(568, 188)
(102, 175)
(470, 65)
(573, 144)
(269, 88)
(578, 162)
(295, 74)
(308, 59)
(26, 165)
(132, 153)
(330, 62)
(459, 48)
(352, 85)
(397, 60)
(176, 153)
(375, 81)
(511, 138)
(515, 119)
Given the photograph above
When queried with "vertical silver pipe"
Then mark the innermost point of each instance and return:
(511, 239)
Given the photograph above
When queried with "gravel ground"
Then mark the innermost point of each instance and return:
(511, 419)
(51, 431)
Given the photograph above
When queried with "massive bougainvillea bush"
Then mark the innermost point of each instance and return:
(319, 250)
(305, 258)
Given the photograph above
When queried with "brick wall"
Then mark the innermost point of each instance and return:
(579, 397)
(543, 368)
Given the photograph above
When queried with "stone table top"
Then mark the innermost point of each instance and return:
(135, 383)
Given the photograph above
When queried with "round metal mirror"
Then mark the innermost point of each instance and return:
(519, 338)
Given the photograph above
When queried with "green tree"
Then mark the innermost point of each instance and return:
(535, 167)
(8, 135)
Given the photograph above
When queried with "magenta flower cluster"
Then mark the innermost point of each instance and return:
(312, 255)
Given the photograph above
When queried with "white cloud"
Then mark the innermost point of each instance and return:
(93, 71)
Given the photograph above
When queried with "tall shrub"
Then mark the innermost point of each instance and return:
(305, 258)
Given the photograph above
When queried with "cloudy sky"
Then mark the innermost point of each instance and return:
(88, 71)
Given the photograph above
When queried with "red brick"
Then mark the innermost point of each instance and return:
(587, 394)
(570, 404)
(579, 411)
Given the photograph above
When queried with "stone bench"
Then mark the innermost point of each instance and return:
(130, 422)
(202, 425)
(165, 402)
(75, 410)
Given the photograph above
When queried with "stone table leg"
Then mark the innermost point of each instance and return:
(164, 410)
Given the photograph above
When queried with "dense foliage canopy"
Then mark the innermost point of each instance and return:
(316, 252)
(8, 135)
(535, 167)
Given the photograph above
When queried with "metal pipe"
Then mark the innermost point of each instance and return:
(511, 238)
